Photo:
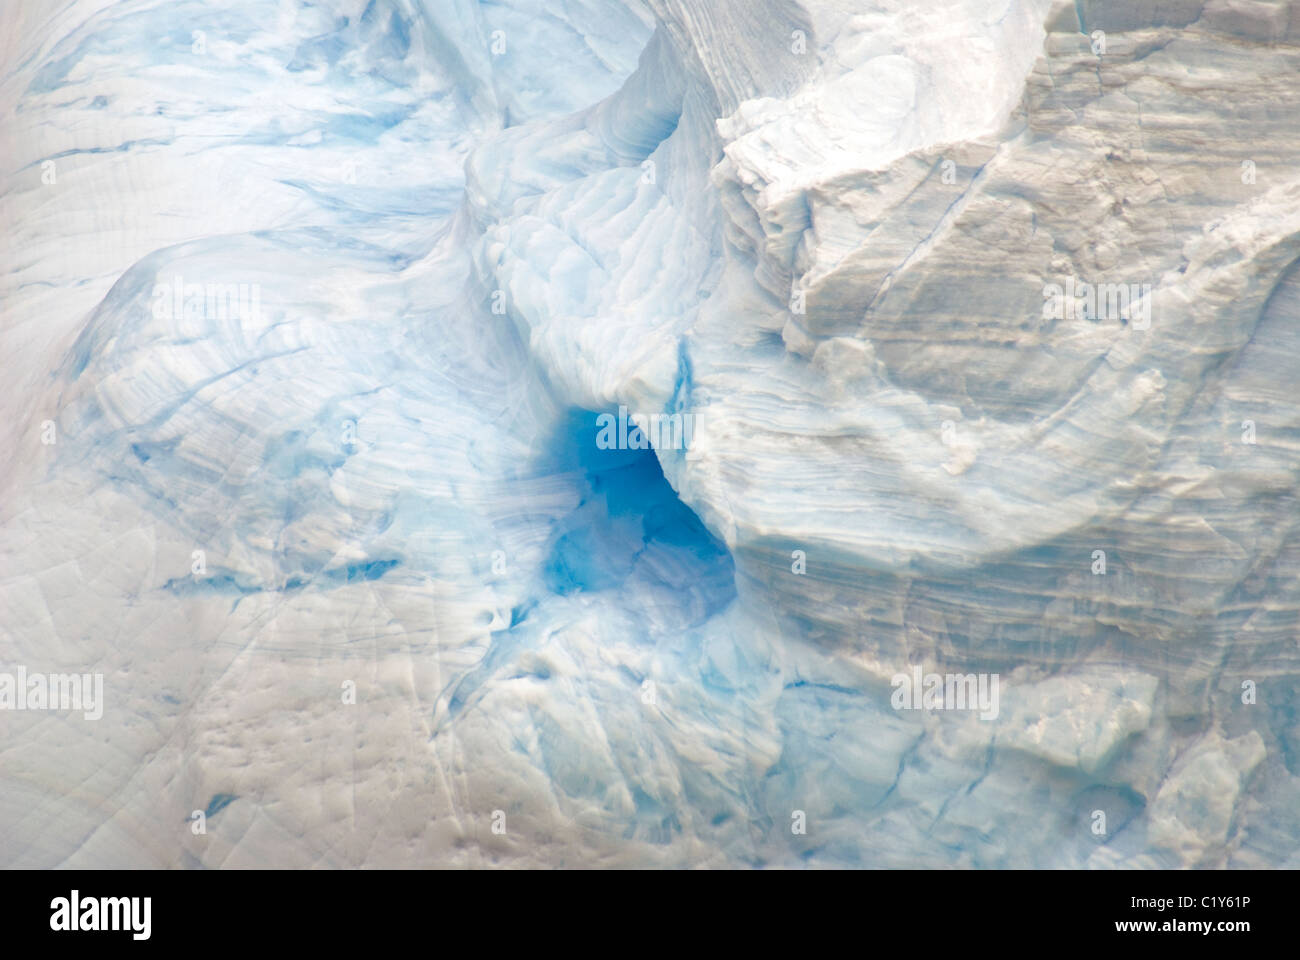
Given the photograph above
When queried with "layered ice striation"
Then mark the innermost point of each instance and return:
(983, 320)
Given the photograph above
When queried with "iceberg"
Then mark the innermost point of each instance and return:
(540, 433)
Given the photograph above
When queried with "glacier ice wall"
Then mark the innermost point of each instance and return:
(364, 587)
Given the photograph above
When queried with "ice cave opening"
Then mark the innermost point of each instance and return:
(630, 531)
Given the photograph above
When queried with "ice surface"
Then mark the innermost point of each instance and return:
(821, 231)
